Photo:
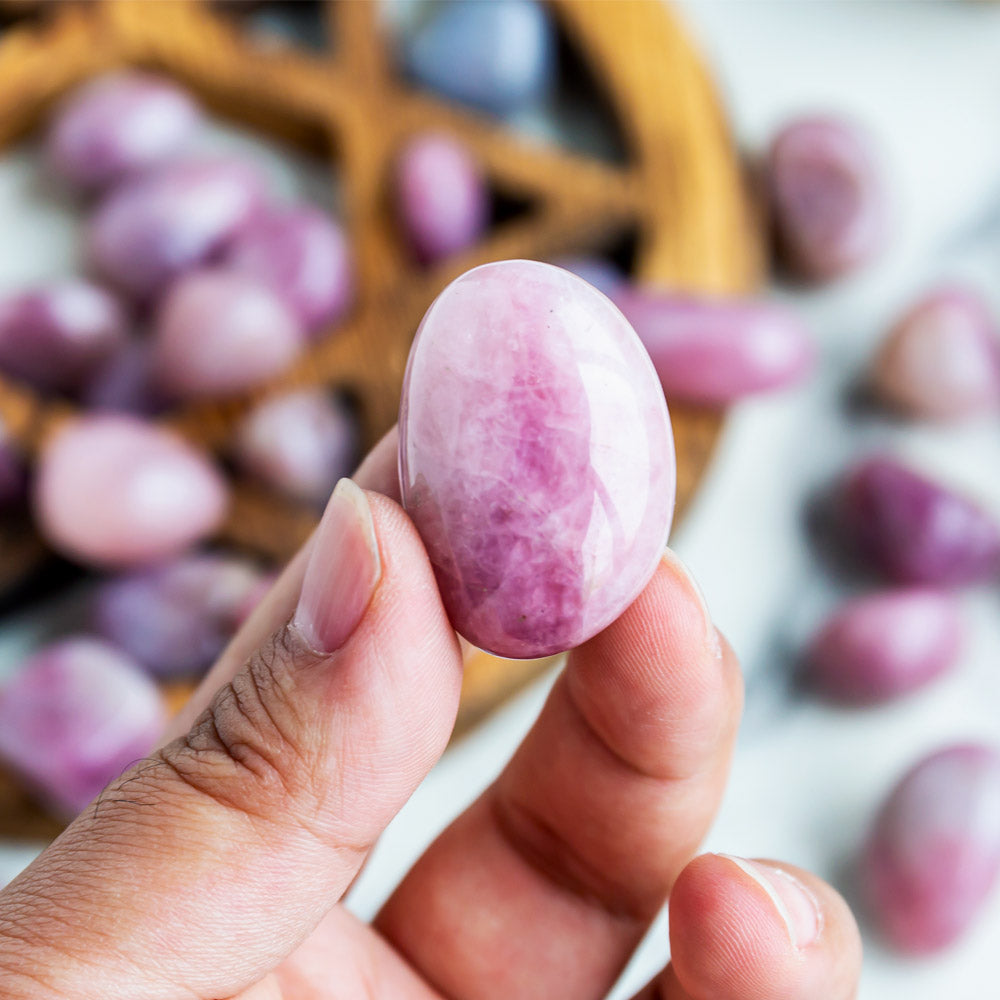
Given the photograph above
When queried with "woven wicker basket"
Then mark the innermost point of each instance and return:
(678, 195)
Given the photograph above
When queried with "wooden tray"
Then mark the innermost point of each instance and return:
(679, 195)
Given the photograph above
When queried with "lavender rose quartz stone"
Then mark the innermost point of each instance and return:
(536, 457)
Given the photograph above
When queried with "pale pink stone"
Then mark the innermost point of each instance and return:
(77, 714)
(829, 199)
(304, 256)
(149, 230)
(536, 457)
(941, 359)
(933, 855)
(299, 443)
(118, 125)
(221, 332)
(442, 197)
(716, 351)
(877, 647)
(116, 491)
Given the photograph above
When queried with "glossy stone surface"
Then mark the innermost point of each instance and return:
(536, 457)
(74, 716)
(148, 231)
(221, 332)
(499, 56)
(441, 196)
(877, 647)
(55, 337)
(299, 443)
(915, 530)
(941, 359)
(114, 490)
(117, 126)
(716, 351)
(303, 255)
(175, 618)
(933, 855)
(829, 199)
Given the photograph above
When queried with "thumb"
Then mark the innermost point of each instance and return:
(206, 864)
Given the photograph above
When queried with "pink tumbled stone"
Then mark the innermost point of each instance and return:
(442, 197)
(299, 443)
(933, 855)
(77, 714)
(877, 647)
(116, 491)
(221, 332)
(716, 351)
(941, 360)
(116, 126)
(149, 230)
(536, 457)
(56, 336)
(303, 255)
(829, 199)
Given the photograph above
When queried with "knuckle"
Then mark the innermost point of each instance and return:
(247, 750)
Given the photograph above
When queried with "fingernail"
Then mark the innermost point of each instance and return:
(343, 571)
(797, 906)
(679, 569)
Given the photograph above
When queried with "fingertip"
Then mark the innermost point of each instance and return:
(743, 928)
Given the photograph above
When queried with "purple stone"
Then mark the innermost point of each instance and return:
(304, 256)
(915, 530)
(941, 360)
(116, 126)
(933, 855)
(877, 647)
(828, 198)
(56, 337)
(152, 229)
(76, 715)
(597, 271)
(442, 197)
(299, 443)
(536, 457)
(176, 618)
(716, 351)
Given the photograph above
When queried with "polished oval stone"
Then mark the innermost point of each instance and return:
(933, 855)
(304, 256)
(219, 332)
(883, 645)
(152, 229)
(713, 352)
(829, 198)
(299, 443)
(941, 359)
(117, 491)
(441, 193)
(914, 529)
(74, 716)
(116, 126)
(536, 457)
(499, 56)
(56, 336)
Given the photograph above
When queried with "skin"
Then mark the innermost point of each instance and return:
(214, 868)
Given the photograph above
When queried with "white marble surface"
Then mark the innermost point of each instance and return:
(926, 77)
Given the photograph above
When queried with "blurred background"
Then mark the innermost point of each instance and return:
(220, 261)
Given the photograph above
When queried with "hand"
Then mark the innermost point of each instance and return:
(214, 868)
